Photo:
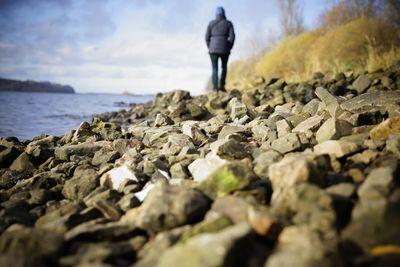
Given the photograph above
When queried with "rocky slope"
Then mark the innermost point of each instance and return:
(281, 175)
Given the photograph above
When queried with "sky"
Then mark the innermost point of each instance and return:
(135, 46)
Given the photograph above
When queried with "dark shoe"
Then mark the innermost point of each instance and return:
(222, 89)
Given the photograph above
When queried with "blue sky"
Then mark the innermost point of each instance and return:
(140, 46)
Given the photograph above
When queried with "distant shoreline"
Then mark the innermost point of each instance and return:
(10, 85)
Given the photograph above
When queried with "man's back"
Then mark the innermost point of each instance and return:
(220, 35)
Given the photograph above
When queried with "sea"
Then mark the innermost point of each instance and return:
(26, 115)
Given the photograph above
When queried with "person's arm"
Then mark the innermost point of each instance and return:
(231, 35)
(208, 35)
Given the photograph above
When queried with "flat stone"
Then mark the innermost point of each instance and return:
(310, 124)
(333, 129)
(337, 148)
(84, 149)
(288, 143)
(343, 190)
(331, 102)
(362, 83)
(372, 99)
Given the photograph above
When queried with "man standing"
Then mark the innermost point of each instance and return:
(220, 37)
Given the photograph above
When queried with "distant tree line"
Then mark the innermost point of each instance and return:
(32, 86)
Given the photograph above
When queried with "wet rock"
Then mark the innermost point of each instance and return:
(23, 164)
(200, 250)
(84, 181)
(166, 207)
(287, 143)
(362, 83)
(339, 148)
(333, 129)
(233, 176)
(301, 246)
(383, 130)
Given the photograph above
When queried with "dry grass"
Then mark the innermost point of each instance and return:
(362, 44)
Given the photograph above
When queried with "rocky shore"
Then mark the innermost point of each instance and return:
(303, 174)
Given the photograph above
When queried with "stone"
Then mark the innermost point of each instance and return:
(8, 155)
(302, 247)
(233, 207)
(23, 164)
(261, 132)
(117, 178)
(287, 143)
(84, 181)
(205, 250)
(311, 107)
(236, 109)
(372, 99)
(35, 243)
(264, 223)
(378, 184)
(200, 169)
(283, 128)
(263, 161)
(162, 120)
(339, 148)
(333, 129)
(166, 207)
(343, 190)
(228, 130)
(104, 156)
(356, 175)
(84, 149)
(310, 124)
(362, 83)
(393, 144)
(290, 172)
(232, 176)
(42, 149)
(383, 130)
(83, 133)
(206, 226)
(365, 157)
(175, 143)
(229, 149)
(191, 129)
(331, 102)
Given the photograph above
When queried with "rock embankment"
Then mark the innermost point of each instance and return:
(281, 175)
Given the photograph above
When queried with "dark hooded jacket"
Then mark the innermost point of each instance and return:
(220, 35)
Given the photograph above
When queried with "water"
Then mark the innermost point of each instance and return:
(26, 115)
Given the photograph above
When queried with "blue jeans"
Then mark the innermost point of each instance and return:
(214, 61)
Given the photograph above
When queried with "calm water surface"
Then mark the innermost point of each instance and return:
(26, 115)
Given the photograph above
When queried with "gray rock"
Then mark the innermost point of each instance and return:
(263, 161)
(84, 149)
(229, 149)
(283, 128)
(339, 148)
(287, 143)
(117, 178)
(311, 107)
(310, 124)
(201, 250)
(202, 168)
(233, 207)
(176, 142)
(42, 149)
(331, 102)
(333, 129)
(23, 164)
(84, 181)
(228, 130)
(343, 190)
(373, 99)
(162, 120)
(362, 83)
(302, 247)
(378, 184)
(393, 144)
(84, 133)
(236, 109)
(261, 132)
(166, 207)
(7, 155)
(104, 156)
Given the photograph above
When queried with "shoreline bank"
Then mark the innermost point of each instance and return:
(297, 174)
